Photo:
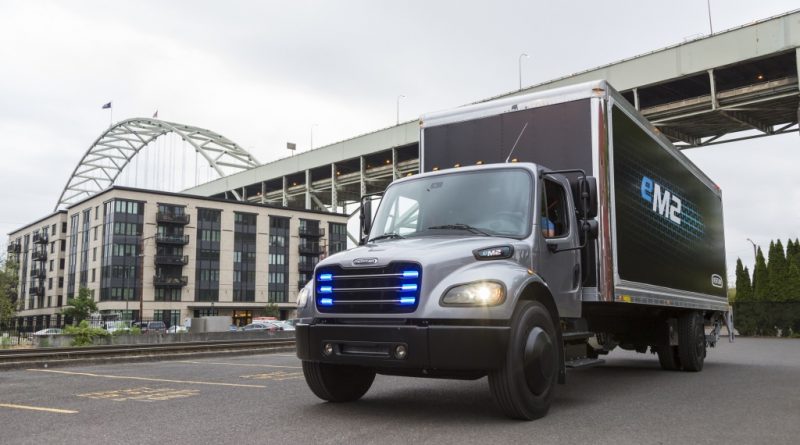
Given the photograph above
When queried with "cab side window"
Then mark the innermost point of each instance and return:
(554, 218)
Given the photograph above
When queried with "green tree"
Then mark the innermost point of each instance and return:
(9, 280)
(777, 272)
(81, 307)
(744, 305)
(760, 277)
(271, 310)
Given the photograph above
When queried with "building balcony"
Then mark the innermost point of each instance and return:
(172, 218)
(39, 255)
(306, 267)
(172, 260)
(310, 249)
(181, 240)
(14, 248)
(40, 238)
(37, 291)
(312, 231)
(170, 281)
(39, 273)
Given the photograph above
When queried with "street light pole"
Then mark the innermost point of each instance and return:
(402, 96)
(755, 252)
(312, 135)
(520, 69)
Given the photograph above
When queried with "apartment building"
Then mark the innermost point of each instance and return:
(168, 256)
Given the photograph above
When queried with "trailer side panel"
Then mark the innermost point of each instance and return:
(669, 229)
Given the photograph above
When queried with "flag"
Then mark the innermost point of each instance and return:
(108, 105)
(155, 114)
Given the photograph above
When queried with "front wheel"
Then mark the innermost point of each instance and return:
(338, 383)
(524, 385)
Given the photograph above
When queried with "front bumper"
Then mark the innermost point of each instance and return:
(436, 347)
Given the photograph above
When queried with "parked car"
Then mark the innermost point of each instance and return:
(119, 325)
(177, 329)
(153, 326)
(262, 327)
(233, 328)
(285, 325)
(49, 331)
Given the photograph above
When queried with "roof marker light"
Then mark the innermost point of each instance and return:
(326, 301)
(326, 277)
(410, 274)
(408, 287)
(407, 300)
(325, 289)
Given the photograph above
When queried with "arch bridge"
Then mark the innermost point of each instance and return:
(105, 159)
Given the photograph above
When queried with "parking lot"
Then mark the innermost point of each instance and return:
(747, 393)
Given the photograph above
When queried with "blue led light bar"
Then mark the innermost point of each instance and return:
(326, 301)
(410, 274)
(407, 300)
(325, 289)
(325, 277)
(408, 287)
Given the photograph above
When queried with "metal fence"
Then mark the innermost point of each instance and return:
(767, 318)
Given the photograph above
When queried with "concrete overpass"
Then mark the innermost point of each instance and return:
(736, 84)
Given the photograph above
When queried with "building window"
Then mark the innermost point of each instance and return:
(95, 231)
(120, 271)
(93, 274)
(52, 262)
(53, 230)
(207, 255)
(244, 257)
(337, 238)
(60, 283)
(278, 267)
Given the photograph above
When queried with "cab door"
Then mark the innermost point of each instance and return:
(557, 236)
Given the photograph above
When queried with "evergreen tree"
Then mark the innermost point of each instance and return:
(760, 277)
(777, 272)
(744, 290)
(743, 306)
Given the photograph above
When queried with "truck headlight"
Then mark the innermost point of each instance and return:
(479, 293)
(302, 297)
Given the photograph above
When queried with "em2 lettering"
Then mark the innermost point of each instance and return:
(665, 203)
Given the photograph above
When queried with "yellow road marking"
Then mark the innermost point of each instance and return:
(239, 364)
(147, 379)
(38, 408)
(277, 375)
(143, 394)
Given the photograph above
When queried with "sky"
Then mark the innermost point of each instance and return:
(264, 73)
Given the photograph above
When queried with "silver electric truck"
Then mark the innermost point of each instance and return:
(543, 231)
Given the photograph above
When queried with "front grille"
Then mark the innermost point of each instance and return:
(392, 289)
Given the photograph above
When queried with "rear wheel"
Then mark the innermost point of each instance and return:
(524, 386)
(338, 383)
(691, 341)
(669, 358)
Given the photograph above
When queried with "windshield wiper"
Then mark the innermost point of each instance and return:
(387, 235)
(459, 226)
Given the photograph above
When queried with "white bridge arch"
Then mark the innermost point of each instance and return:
(114, 149)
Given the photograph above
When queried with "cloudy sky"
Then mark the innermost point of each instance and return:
(262, 73)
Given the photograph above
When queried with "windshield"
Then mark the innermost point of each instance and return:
(494, 202)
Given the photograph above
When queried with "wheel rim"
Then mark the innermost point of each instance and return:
(538, 360)
(701, 343)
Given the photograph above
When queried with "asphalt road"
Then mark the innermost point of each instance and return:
(749, 392)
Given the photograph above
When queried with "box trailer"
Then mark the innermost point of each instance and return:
(544, 230)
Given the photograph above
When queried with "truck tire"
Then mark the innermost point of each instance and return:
(691, 341)
(524, 385)
(668, 357)
(338, 383)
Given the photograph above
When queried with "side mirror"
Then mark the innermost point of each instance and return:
(585, 194)
(365, 219)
